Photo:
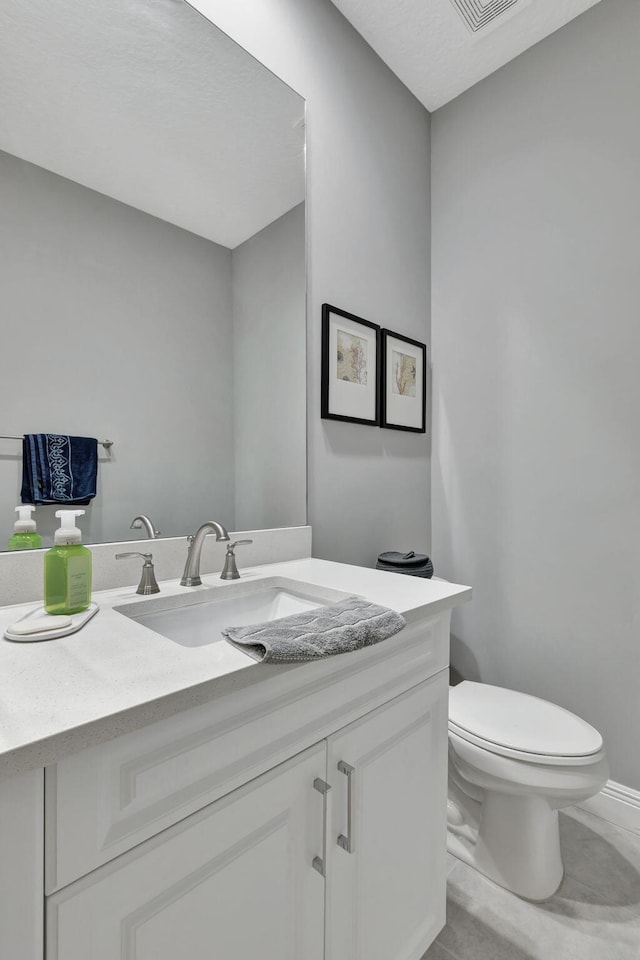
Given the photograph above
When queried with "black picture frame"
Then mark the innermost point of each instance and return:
(340, 402)
(413, 417)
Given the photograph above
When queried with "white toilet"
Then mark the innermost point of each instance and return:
(514, 761)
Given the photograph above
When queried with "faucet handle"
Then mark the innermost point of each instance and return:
(230, 569)
(148, 583)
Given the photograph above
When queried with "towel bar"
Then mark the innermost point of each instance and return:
(103, 443)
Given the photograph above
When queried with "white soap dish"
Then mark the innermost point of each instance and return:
(54, 626)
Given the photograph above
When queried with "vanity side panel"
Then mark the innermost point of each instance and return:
(103, 801)
(21, 866)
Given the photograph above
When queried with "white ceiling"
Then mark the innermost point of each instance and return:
(431, 48)
(149, 103)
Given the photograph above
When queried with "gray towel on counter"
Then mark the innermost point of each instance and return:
(335, 628)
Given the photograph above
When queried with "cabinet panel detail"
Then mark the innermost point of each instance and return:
(234, 880)
(165, 911)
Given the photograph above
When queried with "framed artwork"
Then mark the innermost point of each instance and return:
(403, 383)
(350, 354)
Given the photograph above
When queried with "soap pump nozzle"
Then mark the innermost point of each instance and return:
(68, 532)
(25, 523)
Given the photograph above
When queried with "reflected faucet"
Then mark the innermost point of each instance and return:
(142, 521)
(191, 575)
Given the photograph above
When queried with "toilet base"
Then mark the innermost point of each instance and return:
(513, 840)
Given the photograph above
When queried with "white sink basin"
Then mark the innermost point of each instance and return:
(197, 619)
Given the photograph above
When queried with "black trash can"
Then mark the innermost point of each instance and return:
(412, 564)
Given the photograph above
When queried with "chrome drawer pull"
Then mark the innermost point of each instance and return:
(348, 842)
(319, 863)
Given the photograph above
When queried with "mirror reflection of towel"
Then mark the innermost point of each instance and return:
(58, 468)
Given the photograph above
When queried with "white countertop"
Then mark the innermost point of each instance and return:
(114, 675)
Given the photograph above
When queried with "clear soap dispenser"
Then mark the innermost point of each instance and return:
(67, 569)
(24, 536)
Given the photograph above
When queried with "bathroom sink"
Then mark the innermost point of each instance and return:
(197, 619)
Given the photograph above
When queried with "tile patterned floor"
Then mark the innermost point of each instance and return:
(594, 916)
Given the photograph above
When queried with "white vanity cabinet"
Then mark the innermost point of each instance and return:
(336, 854)
(284, 812)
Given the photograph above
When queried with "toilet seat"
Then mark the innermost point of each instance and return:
(517, 725)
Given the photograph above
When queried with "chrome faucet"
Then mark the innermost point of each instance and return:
(191, 575)
(142, 521)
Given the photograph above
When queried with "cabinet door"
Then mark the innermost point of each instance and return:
(234, 881)
(387, 861)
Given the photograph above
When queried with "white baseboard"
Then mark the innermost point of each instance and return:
(617, 804)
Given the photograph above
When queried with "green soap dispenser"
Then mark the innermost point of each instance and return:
(25, 536)
(67, 569)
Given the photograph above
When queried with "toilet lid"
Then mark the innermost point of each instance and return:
(505, 719)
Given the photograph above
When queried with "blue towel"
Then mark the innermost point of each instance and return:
(58, 469)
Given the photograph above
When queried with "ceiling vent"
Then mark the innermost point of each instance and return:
(478, 15)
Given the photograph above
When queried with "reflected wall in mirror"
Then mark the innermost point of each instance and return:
(152, 256)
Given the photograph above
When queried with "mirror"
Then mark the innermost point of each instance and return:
(152, 256)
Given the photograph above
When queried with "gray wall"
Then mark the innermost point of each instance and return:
(117, 325)
(269, 355)
(368, 248)
(536, 238)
